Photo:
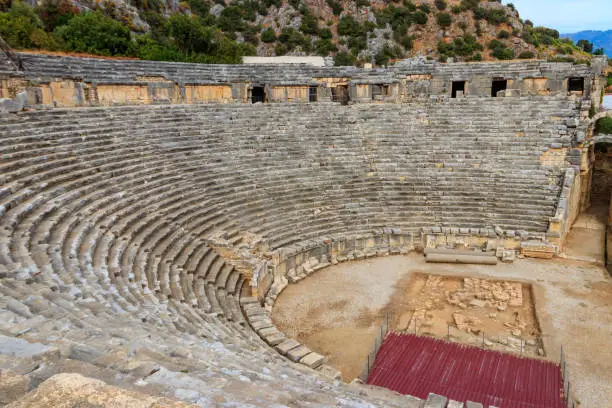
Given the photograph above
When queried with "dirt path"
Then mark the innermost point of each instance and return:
(338, 310)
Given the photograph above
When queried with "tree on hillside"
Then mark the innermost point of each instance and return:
(585, 45)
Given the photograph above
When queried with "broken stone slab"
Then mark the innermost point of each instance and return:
(75, 390)
(454, 404)
(298, 353)
(330, 372)
(83, 352)
(273, 339)
(312, 360)
(509, 256)
(18, 308)
(435, 401)
(479, 303)
(21, 348)
(249, 300)
(7, 105)
(12, 387)
(287, 345)
(261, 323)
(470, 404)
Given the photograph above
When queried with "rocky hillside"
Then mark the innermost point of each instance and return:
(350, 31)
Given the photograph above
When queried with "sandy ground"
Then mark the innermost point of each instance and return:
(338, 310)
(586, 239)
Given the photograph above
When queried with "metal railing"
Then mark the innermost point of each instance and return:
(380, 337)
(567, 384)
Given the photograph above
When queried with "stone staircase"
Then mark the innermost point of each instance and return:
(127, 235)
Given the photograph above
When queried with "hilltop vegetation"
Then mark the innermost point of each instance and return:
(353, 31)
(599, 39)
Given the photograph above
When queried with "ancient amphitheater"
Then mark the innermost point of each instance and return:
(152, 213)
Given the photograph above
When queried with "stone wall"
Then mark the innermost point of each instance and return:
(95, 82)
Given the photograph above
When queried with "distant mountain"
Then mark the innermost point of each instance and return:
(600, 39)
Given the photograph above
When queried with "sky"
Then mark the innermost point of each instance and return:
(567, 16)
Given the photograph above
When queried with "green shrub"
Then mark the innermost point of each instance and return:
(324, 47)
(268, 35)
(609, 79)
(335, 6)
(363, 3)
(231, 19)
(503, 53)
(344, 59)
(456, 9)
(280, 49)
(585, 45)
(250, 35)
(95, 33)
(444, 20)
(500, 51)
(466, 45)
(503, 34)
(461, 46)
(409, 5)
(526, 55)
(407, 42)
(424, 8)
(476, 57)
(22, 28)
(55, 14)
(440, 4)
(348, 26)
(604, 126)
(292, 38)
(309, 24)
(325, 33)
(494, 17)
(469, 4)
(387, 53)
(420, 17)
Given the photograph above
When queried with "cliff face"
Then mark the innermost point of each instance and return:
(425, 38)
(354, 31)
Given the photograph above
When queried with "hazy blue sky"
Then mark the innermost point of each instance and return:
(567, 16)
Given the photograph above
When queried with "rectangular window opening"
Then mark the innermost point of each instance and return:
(258, 94)
(575, 84)
(498, 85)
(458, 86)
(379, 91)
(312, 94)
(340, 94)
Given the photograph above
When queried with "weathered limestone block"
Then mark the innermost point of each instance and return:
(74, 390)
(284, 347)
(12, 387)
(8, 105)
(298, 353)
(312, 360)
(21, 348)
(435, 401)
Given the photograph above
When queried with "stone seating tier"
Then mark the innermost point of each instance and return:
(128, 71)
(144, 219)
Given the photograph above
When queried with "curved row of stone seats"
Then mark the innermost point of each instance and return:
(128, 214)
(114, 71)
(476, 179)
(107, 70)
(48, 329)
